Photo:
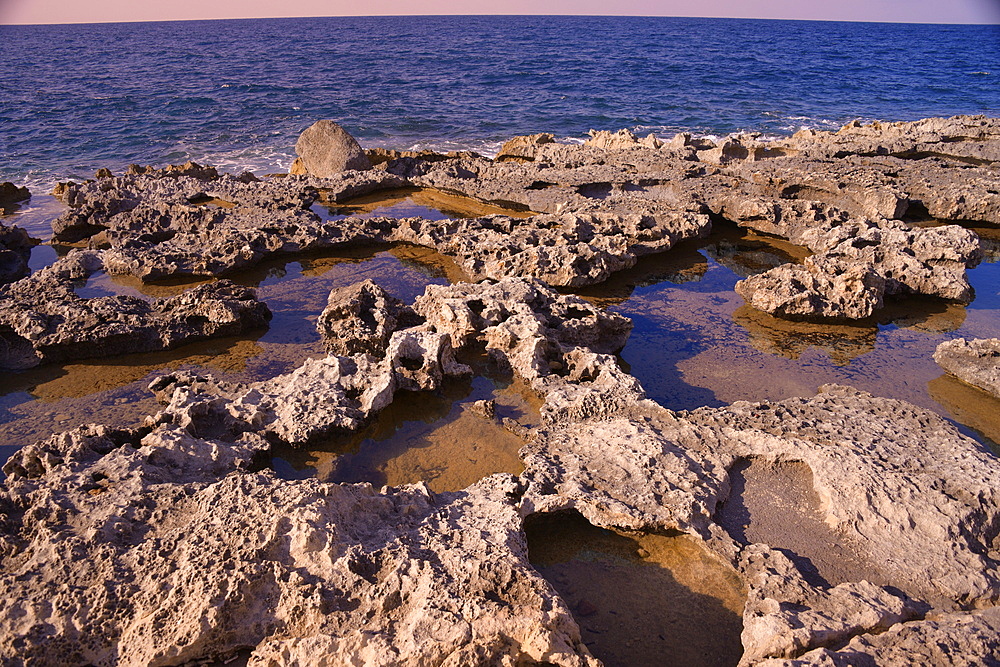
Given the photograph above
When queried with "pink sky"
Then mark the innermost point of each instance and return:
(93, 11)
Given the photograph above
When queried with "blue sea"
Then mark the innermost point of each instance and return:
(236, 93)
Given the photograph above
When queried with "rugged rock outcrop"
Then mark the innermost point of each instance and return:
(949, 640)
(179, 515)
(325, 149)
(43, 320)
(185, 561)
(524, 147)
(15, 251)
(11, 194)
(602, 206)
(857, 264)
(975, 361)
(360, 318)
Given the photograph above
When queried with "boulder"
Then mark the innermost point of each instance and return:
(326, 149)
(15, 251)
(11, 194)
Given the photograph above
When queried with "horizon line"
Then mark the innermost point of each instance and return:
(372, 16)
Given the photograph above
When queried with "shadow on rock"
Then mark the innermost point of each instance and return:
(641, 599)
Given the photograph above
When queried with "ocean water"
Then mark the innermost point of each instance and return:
(237, 93)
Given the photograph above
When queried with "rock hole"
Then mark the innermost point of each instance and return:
(641, 599)
(411, 363)
(594, 190)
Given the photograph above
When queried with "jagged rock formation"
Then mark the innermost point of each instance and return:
(173, 542)
(601, 206)
(10, 195)
(360, 318)
(44, 321)
(160, 545)
(976, 362)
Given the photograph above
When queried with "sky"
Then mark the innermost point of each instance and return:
(100, 11)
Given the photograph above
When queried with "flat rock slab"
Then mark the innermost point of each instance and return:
(975, 361)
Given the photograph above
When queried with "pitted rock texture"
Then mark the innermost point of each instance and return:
(192, 556)
(601, 205)
(857, 265)
(903, 489)
(326, 149)
(949, 640)
(320, 397)
(44, 321)
(360, 318)
(561, 345)
(178, 511)
(975, 361)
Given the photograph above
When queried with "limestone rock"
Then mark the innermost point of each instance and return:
(524, 147)
(949, 640)
(326, 149)
(975, 361)
(360, 318)
(44, 321)
(809, 291)
(621, 139)
(140, 548)
(857, 264)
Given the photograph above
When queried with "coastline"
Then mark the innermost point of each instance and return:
(836, 525)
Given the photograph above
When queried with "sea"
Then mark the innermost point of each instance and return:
(236, 93)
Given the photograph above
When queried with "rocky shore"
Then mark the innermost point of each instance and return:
(176, 542)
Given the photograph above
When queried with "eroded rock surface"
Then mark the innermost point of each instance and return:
(975, 361)
(43, 320)
(601, 205)
(190, 555)
(173, 543)
(360, 318)
(397, 576)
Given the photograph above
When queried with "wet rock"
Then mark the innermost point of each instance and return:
(975, 361)
(11, 194)
(15, 251)
(44, 321)
(360, 318)
(486, 409)
(326, 149)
